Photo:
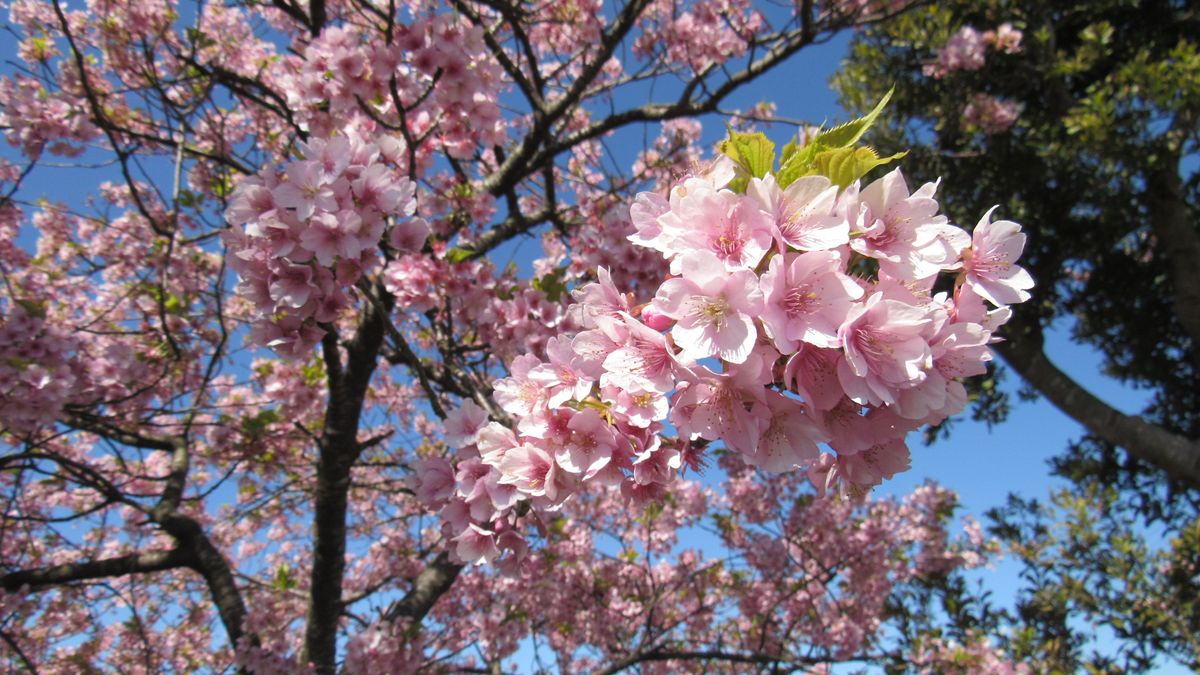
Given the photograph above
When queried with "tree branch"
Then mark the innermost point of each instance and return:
(719, 655)
(38, 579)
(430, 584)
(338, 450)
(1178, 456)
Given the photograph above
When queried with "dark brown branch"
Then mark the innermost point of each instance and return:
(517, 166)
(1178, 456)
(719, 655)
(293, 10)
(533, 160)
(430, 584)
(204, 558)
(41, 578)
(101, 118)
(338, 450)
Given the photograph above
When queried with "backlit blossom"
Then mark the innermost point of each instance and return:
(990, 263)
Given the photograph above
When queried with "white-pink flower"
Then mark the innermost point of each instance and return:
(464, 423)
(904, 232)
(713, 308)
(724, 223)
(806, 214)
(476, 546)
(591, 445)
(644, 361)
(990, 263)
(306, 190)
(886, 349)
(789, 439)
(806, 298)
(531, 470)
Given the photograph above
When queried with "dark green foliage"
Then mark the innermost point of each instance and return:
(1110, 105)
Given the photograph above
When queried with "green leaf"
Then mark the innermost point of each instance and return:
(798, 164)
(849, 133)
(753, 152)
(35, 309)
(256, 425)
(283, 579)
(843, 166)
(313, 373)
(458, 254)
(790, 149)
(222, 186)
(188, 199)
(551, 285)
(174, 305)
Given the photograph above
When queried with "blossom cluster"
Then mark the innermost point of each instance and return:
(990, 114)
(967, 49)
(701, 35)
(341, 74)
(33, 118)
(794, 319)
(37, 375)
(314, 228)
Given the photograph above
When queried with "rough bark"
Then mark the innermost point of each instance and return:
(40, 578)
(430, 584)
(338, 450)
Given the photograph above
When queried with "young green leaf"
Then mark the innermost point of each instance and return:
(848, 134)
(754, 152)
(843, 166)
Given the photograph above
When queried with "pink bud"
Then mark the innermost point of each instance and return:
(655, 319)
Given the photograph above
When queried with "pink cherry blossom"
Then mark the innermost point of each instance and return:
(990, 263)
(885, 349)
(806, 215)
(712, 307)
(806, 298)
(904, 232)
(464, 423)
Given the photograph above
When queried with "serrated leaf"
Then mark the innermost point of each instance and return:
(458, 254)
(849, 133)
(791, 148)
(843, 166)
(798, 164)
(753, 152)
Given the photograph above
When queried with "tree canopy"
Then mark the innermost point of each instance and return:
(1084, 128)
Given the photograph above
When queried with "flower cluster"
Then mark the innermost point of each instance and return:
(795, 317)
(967, 49)
(33, 118)
(341, 73)
(313, 229)
(990, 114)
(37, 375)
(703, 35)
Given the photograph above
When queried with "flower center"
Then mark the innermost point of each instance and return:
(799, 301)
